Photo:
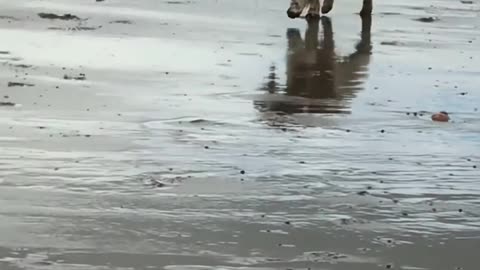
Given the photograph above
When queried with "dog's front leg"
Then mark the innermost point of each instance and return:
(314, 10)
(367, 8)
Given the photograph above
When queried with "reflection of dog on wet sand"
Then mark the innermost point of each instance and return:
(311, 8)
(318, 80)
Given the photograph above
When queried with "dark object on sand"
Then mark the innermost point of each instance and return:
(123, 22)
(441, 117)
(7, 104)
(427, 19)
(14, 84)
(52, 16)
(80, 77)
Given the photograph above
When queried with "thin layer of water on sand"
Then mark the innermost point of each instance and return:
(180, 135)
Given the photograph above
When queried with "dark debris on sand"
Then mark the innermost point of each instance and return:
(19, 84)
(363, 193)
(427, 19)
(52, 16)
(7, 104)
(122, 22)
(80, 77)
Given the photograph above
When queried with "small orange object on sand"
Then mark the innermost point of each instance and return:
(441, 117)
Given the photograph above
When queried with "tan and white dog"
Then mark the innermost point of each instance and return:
(311, 8)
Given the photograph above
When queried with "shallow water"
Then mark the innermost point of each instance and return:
(238, 139)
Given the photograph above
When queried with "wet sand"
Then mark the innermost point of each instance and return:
(220, 134)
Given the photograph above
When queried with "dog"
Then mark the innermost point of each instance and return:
(311, 8)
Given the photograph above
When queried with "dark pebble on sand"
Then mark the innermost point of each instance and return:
(362, 193)
(405, 214)
(474, 166)
(348, 130)
(434, 210)
(288, 222)
(382, 131)
(460, 210)
(206, 147)
(242, 172)
(388, 266)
